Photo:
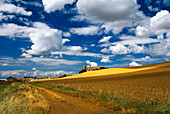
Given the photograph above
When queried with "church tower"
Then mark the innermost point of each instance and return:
(84, 66)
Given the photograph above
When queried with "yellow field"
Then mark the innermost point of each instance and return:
(116, 71)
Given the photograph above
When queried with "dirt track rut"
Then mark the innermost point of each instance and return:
(65, 104)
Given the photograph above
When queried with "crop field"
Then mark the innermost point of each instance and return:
(145, 85)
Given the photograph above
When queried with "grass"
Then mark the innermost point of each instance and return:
(3, 86)
(20, 98)
(117, 103)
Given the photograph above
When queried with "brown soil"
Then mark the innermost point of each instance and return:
(64, 104)
(153, 83)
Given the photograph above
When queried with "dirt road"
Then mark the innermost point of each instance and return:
(64, 104)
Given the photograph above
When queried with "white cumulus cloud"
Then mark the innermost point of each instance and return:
(91, 30)
(122, 49)
(115, 14)
(34, 69)
(118, 49)
(10, 8)
(92, 64)
(156, 25)
(53, 5)
(66, 34)
(44, 38)
(106, 59)
(134, 64)
(65, 40)
(105, 39)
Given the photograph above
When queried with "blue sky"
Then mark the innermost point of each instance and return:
(54, 37)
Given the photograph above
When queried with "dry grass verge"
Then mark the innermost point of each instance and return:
(22, 99)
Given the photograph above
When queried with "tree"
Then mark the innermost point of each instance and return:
(83, 70)
(10, 78)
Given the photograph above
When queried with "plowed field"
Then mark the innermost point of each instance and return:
(153, 82)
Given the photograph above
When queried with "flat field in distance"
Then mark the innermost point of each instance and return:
(152, 82)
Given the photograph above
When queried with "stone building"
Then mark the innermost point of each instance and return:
(93, 68)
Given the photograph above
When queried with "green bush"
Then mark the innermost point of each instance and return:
(83, 70)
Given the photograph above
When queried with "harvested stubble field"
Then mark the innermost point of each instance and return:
(143, 85)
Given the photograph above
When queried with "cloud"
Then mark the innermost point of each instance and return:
(50, 73)
(115, 14)
(136, 49)
(92, 45)
(122, 49)
(16, 31)
(43, 64)
(160, 22)
(108, 10)
(106, 59)
(48, 61)
(6, 17)
(156, 25)
(12, 73)
(92, 64)
(118, 49)
(134, 64)
(33, 3)
(160, 49)
(53, 5)
(84, 54)
(155, 5)
(10, 8)
(143, 59)
(37, 73)
(26, 55)
(34, 69)
(130, 40)
(153, 9)
(5, 64)
(65, 40)
(66, 34)
(91, 30)
(75, 48)
(8, 62)
(44, 38)
(105, 50)
(168, 54)
(105, 39)
(146, 59)
(142, 31)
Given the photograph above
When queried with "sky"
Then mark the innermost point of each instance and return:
(53, 37)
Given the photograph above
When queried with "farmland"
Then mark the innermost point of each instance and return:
(141, 85)
(149, 85)
(143, 89)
